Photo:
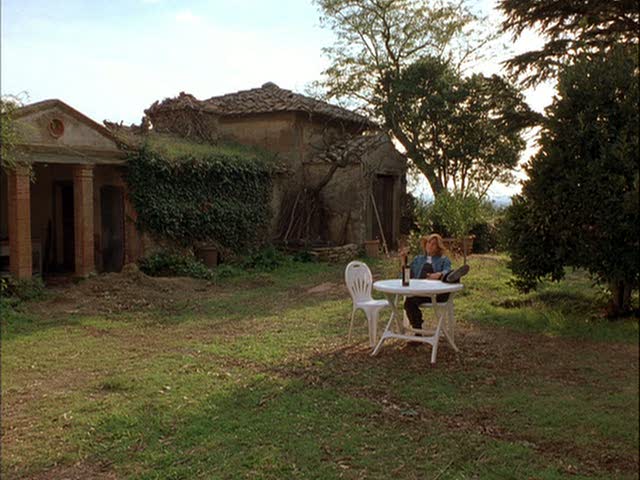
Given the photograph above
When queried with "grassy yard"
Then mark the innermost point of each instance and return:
(254, 378)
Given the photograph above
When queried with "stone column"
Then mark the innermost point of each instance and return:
(83, 219)
(19, 213)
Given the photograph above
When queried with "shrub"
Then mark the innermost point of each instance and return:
(266, 259)
(579, 206)
(485, 237)
(170, 263)
(31, 289)
(304, 256)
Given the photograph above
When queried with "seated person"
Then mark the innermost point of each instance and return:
(434, 265)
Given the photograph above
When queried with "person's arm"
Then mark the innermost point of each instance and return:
(416, 266)
(444, 266)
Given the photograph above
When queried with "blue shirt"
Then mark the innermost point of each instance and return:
(440, 264)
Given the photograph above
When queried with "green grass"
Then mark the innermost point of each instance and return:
(258, 381)
(174, 148)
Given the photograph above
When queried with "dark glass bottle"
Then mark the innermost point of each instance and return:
(406, 272)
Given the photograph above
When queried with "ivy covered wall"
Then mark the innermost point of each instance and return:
(216, 195)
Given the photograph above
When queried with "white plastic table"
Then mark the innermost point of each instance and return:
(445, 320)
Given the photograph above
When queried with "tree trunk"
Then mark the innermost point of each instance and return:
(427, 170)
(620, 302)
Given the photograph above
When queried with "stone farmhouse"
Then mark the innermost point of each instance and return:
(74, 216)
(312, 138)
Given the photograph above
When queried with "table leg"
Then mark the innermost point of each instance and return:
(450, 325)
(392, 299)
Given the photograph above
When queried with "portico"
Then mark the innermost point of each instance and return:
(65, 201)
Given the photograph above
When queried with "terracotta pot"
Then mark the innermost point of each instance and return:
(208, 256)
(372, 248)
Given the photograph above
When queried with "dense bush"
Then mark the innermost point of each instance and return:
(221, 198)
(485, 237)
(31, 289)
(178, 264)
(579, 206)
(427, 219)
(452, 215)
(266, 259)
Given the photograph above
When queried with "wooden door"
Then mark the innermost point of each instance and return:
(112, 223)
(383, 195)
(68, 228)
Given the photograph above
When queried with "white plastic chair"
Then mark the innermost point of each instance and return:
(359, 280)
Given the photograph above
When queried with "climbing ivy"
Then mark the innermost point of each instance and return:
(220, 197)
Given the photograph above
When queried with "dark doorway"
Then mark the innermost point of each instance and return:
(383, 195)
(112, 238)
(68, 228)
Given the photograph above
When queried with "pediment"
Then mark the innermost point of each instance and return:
(52, 124)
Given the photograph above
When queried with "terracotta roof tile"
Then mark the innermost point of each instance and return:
(268, 98)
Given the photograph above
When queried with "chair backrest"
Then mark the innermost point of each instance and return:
(359, 280)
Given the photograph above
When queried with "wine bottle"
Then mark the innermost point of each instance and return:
(406, 272)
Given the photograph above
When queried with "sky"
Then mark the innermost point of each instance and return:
(111, 59)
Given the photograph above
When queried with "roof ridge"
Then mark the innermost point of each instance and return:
(267, 98)
(56, 102)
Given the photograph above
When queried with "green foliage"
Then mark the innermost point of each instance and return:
(580, 205)
(221, 197)
(266, 259)
(375, 39)
(451, 214)
(486, 236)
(304, 256)
(570, 29)
(9, 134)
(401, 61)
(174, 264)
(227, 270)
(457, 216)
(22, 290)
(175, 148)
(465, 132)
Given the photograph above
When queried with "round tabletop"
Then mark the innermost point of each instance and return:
(416, 287)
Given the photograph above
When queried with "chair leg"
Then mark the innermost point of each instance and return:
(372, 319)
(353, 314)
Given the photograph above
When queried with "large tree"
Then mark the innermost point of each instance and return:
(378, 39)
(9, 135)
(570, 28)
(579, 206)
(463, 133)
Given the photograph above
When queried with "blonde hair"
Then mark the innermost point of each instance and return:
(439, 242)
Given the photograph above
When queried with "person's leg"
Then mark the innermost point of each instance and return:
(412, 307)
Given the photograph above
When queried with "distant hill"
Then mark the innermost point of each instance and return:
(501, 200)
(498, 200)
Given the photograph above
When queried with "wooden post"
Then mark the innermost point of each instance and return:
(375, 209)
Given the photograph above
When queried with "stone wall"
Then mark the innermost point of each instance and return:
(341, 254)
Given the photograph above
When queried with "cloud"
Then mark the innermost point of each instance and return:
(186, 16)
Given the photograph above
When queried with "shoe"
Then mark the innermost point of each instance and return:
(457, 274)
